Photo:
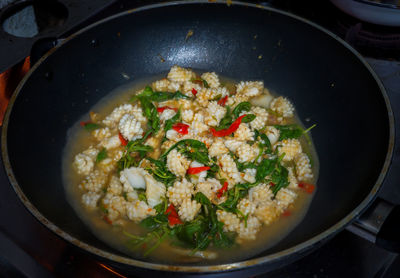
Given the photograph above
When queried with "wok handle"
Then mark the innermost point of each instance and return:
(388, 236)
(379, 225)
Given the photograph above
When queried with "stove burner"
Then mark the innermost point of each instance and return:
(370, 40)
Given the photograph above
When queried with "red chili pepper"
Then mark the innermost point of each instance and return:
(173, 217)
(194, 91)
(309, 188)
(107, 219)
(196, 170)
(124, 142)
(286, 213)
(181, 128)
(222, 101)
(172, 211)
(161, 109)
(272, 184)
(226, 132)
(222, 190)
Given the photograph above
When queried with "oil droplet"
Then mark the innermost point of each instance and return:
(94, 42)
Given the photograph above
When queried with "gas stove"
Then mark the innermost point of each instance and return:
(28, 249)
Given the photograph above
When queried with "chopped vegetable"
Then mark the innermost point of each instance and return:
(170, 122)
(160, 171)
(193, 149)
(194, 91)
(105, 217)
(309, 188)
(89, 126)
(222, 101)
(226, 132)
(248, 118)
(222, 190)
(234, 195)
(181, 128)
(173, 217)
(124, 142)
(243, 106)
(292, 131)
(196, 170)
(150, 112)
(134, 153)
(101, 155)
(161, 109)
(159, 96)
(204, 229)
(227, 120)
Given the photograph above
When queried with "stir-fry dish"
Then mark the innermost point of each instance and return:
(195, 164)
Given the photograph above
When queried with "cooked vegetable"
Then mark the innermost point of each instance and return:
(173, 217)
(161, 109)
(89, 126)
(160, 171)
(181, 128)
(222, 190)
(231, 129)
(170, 122)
(134, 153)
(293, 131)
(196, 170)
(243, 106)
(101, 155)
(124, 142)
(193, 149)
(223, 101)
(309, 188)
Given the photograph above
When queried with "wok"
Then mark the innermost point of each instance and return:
(330, 84)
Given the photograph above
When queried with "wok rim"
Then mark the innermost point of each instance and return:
(235, 266)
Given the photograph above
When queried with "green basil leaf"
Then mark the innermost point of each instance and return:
(266, 141)
(142, 196)
(223, 239)
(248, 118)
(91, 126)
(150, 112)
(191, 232)
(226, 121)
(265, 168)
(179, 95)
(170, 122)
(280, 178)
(161, 207)
(101, 155)
(202, 199)
(154, 222)
(160, 172)
(292, 131)
(243, 106)
(205, 83)
(135, 151)
(191, 148)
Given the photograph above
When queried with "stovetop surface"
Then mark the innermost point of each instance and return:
(28, 249)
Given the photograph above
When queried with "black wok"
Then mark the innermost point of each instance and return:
(328, 81)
